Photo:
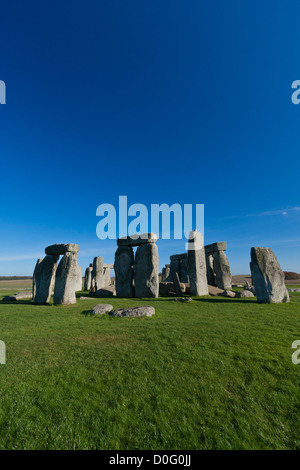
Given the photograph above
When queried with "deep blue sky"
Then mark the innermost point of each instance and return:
(162, 101)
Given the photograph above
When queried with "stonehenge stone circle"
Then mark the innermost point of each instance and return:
(124, 259)
(146, 281)
(267, 276)
(196, 264)
(44, 277)
(66, 279)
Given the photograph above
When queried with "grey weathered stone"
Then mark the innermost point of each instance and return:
(267, 276)
(176, 283)
(36, 270)
(97, 274)
(61, 248)
(124, 259)
(222, 270)
(79, 280)
(137, 239)
(210, 269)
(218, 246)
(183, 299)
(18, 296)
(88, 278)
(213, 290)
(228, 293)
(44, 275)
(146, 280)
(163, 274)
(196, 264)
(179, 257)
(133, 312)
(167, 288)
(184, 272)
(174, 268)
(243, 293)
(100, 309)
(108, 291)
(106, 275)
(66, 279)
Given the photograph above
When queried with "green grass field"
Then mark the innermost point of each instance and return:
(214, 373)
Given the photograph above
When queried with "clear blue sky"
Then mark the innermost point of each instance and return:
(162, 101)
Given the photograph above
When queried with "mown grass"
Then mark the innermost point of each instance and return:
(210, 374)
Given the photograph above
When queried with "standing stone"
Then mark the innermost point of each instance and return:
(44, 276)
(146, 271)
(176, 283)
(124, 271)
(66, 279)
(222, 270)
(196, 264)
(184, 272)
(34, 277)
(174, 267)
(88, 277)
(106, 276)
(97, 281)
(210, 269)
(79, 280)
(163, 274)
(267, 276)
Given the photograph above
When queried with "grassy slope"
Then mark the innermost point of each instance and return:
(215, 373)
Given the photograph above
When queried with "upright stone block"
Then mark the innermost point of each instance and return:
(34, 277)
(184, 272)
(267, 276)
(124, 259)
(79, 280)
(66, 279)
(97, 281)
(210, 269)
(196, 264)
(106, 276)
(44, 276)
(222, 270)
(146, 271)
(88, 278)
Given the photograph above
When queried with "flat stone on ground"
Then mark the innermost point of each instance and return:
(133, 312)
(100, 309)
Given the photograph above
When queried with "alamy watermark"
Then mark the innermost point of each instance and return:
(2, 92)
(166, 221)
(2, 353)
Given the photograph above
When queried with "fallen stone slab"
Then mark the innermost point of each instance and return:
(212, 290)
(228, 293)
(100, 309)
(183, 299)
(61, 248)
(243, 293)
(133, 312)
(18, 296)
(291, 289)
(137, 239)
(109, 291)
